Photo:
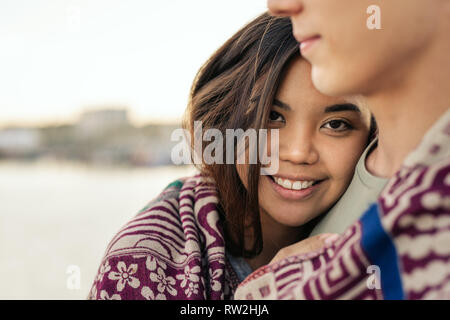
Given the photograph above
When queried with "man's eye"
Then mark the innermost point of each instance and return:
(338, 125)
(275, 116)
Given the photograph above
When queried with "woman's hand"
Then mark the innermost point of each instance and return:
(308, 245)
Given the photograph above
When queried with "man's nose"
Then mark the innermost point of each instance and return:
(284, 8)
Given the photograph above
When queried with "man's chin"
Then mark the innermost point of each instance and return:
(328, 84)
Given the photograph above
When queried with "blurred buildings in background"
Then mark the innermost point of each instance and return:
(99, 137)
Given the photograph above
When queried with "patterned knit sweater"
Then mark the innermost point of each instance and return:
(398, 249)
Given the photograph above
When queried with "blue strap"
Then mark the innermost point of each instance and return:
(381, 251)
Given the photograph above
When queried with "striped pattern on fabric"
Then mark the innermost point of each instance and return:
(172, 249)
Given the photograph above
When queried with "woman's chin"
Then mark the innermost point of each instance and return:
(289, 218)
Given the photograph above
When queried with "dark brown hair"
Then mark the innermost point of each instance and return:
(235, 89)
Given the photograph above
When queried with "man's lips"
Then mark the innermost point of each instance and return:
(307, 42)
(301, 38)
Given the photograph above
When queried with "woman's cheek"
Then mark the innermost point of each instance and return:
(342, 161)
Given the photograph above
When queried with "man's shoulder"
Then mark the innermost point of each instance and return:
(423, 182)
(415, 212)
(421, 188)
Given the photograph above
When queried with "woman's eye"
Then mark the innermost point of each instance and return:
(338, 125)
(275, 116)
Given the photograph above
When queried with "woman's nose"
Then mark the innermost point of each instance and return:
(298, 148)
(284, 7)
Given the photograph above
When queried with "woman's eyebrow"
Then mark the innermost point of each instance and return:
(334, 108)
(342, 107)
(282, 105)
(276, 102)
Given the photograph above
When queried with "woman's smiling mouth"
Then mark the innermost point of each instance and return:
(294, 189)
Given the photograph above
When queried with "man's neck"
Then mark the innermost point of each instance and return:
(409, 108)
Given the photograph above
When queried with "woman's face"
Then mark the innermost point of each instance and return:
(320, 141)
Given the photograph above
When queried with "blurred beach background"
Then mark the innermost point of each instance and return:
(90, 92)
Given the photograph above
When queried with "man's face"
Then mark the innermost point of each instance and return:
(348, 57)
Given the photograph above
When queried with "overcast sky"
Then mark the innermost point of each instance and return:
(59, 57)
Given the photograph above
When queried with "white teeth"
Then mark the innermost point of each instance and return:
(287, 184)
(296, 185)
